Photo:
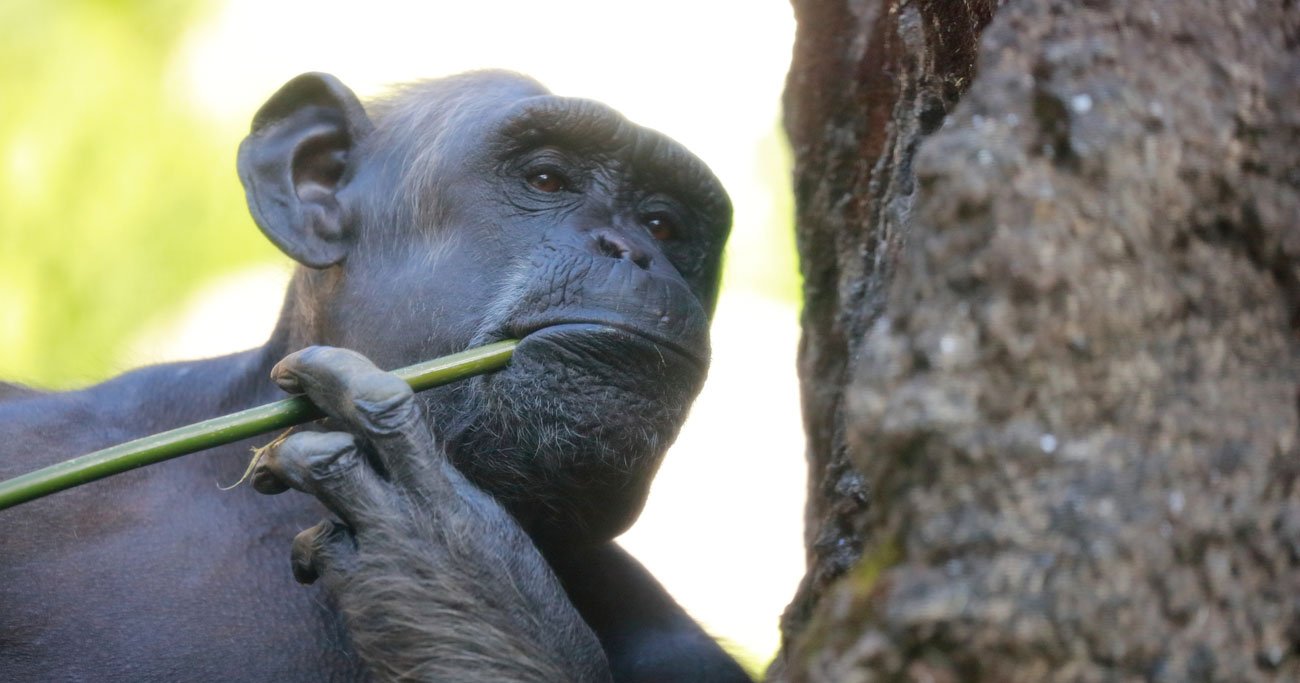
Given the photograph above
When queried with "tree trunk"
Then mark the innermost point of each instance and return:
(1051, 355)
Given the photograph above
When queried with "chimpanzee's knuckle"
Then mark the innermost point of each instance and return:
(385, 402)
(329, 455)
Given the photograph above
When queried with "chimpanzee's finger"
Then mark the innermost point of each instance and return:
(329, 466)
(375, 404)
(328, 547)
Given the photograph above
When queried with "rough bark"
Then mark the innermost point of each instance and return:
(1059, 342)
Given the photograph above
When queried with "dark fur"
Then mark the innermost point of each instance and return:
(476, 519)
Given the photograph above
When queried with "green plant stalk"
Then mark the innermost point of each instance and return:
(219, 431)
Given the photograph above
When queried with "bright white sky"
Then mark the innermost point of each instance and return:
(723, 527)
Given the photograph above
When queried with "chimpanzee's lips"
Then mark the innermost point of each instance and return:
(573, 299)
(540, 330)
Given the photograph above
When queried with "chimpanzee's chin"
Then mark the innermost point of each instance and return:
(585, 408)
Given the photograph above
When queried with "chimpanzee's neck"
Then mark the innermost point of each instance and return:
(304, 320)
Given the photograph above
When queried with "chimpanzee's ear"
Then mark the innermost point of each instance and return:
(295, 161)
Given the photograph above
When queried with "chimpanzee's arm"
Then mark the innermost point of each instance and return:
(435, 579)
(647, 636)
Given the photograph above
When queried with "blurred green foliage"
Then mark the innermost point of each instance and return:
(116, 198)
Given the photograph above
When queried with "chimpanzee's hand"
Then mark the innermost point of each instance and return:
(435, 579)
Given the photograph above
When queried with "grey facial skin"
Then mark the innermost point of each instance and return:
(468, 529)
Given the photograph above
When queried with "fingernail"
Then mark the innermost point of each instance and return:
(285, 380)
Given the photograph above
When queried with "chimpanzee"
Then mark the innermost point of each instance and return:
(472, 539)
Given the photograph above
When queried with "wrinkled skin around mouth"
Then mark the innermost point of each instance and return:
(570, 434)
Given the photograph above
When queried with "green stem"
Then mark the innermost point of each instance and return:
(231, 428)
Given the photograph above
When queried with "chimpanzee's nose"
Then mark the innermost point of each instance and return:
(614, 245)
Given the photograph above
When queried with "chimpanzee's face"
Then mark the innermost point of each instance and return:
(555, 221)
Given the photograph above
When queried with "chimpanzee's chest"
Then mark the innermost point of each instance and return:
(168, 579)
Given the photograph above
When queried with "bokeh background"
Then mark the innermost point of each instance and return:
(124, 237)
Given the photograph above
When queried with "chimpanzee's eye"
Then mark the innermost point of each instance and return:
(548, 181)
(661, 226)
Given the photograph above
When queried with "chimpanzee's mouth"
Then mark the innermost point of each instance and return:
(621, 332)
